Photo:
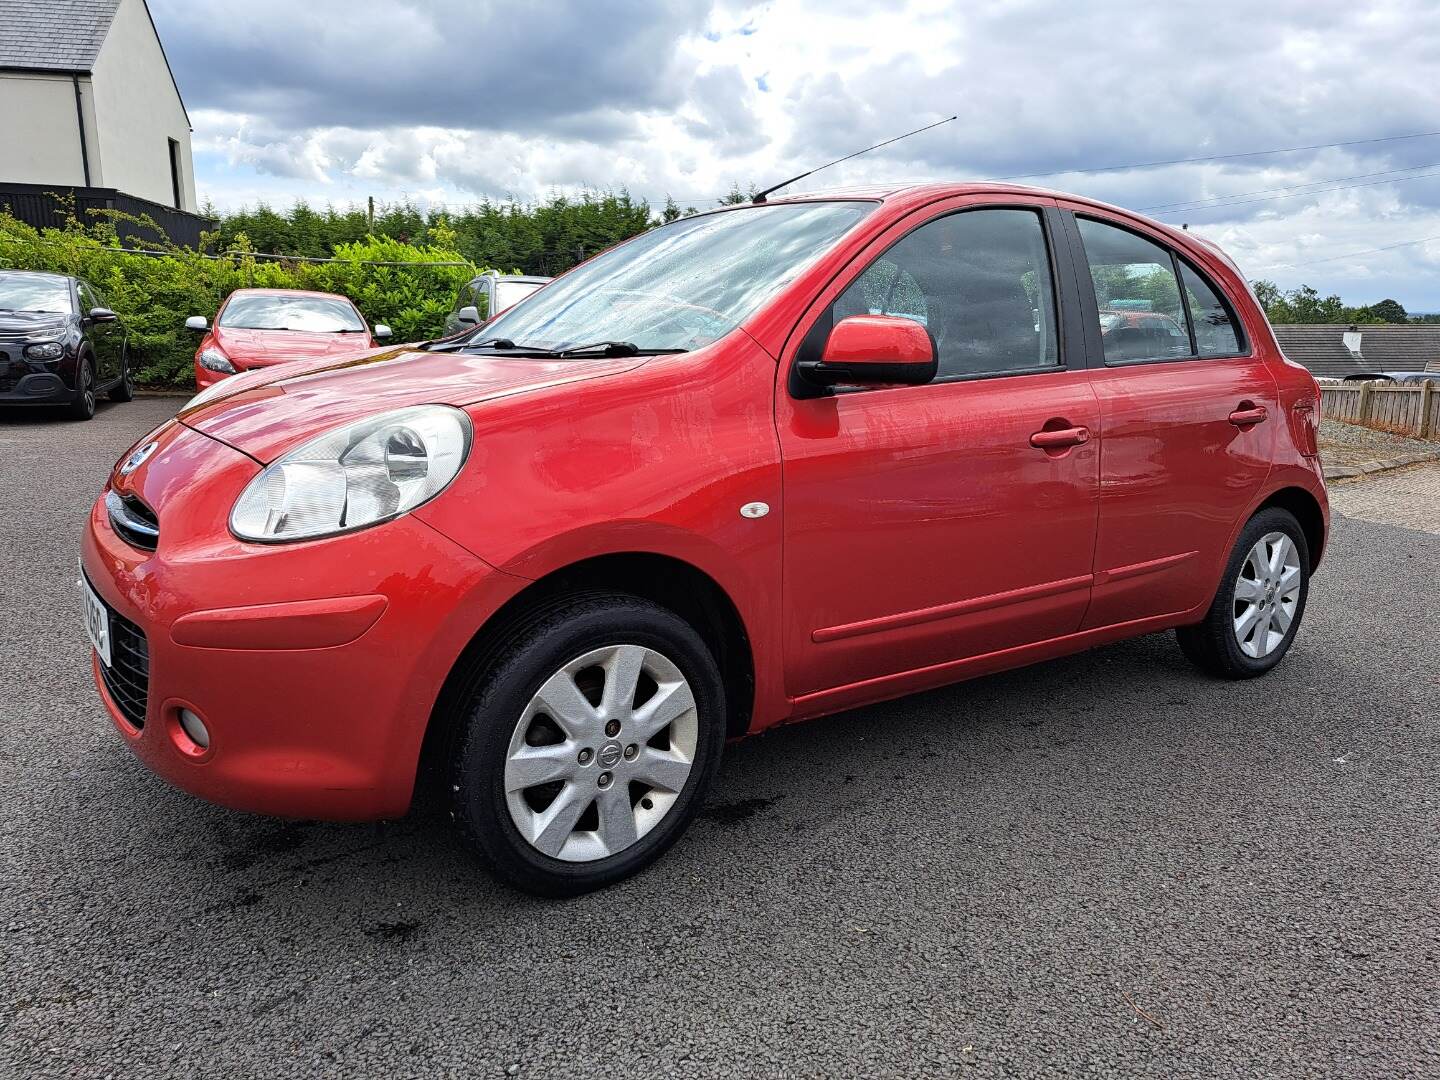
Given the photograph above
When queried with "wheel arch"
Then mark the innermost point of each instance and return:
(1305, 508)
(671, 582)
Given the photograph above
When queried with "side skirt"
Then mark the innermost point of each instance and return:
(887, 687)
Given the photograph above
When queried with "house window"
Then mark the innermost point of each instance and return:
(175, 172)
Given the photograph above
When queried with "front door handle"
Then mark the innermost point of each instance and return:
(1055, 440)
(1247, 415)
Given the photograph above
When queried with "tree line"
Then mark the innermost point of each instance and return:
(1305, 305)
(546, 237)
(551, 236)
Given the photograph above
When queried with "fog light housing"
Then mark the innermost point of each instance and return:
(195, 729)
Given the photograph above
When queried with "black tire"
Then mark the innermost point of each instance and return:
(124, 390)
(83, 407)
(499, 689)
(1212, 645)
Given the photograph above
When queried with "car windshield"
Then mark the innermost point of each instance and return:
(34, 292)
(510, 293)
(682, 285)
(313, 314)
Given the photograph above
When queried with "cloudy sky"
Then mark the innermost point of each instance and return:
(456, 100)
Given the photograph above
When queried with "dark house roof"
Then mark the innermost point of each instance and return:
(53, 35)
(1383, 347)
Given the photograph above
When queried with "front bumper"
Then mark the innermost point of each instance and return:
(205, 378)
(35, 383)
(314, 666)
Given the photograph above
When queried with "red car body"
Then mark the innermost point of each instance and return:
(919, 535)
(248, 349)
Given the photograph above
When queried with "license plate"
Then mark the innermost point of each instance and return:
(97, 621)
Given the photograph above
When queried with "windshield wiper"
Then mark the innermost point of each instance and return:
(610, 348)
(456, 346)
(595, 348)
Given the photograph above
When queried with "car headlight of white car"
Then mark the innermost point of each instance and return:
(355, 476)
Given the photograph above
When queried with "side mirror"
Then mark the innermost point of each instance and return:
(197, 322)
(103, 314)
(469, 315)
(381, 331)
(871, 350)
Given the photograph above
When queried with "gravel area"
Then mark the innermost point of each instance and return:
(1350, 444)
(1104, 866)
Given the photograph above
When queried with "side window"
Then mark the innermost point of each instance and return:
(979, 280)
(1141, 315)
(87, 297)
(1215, 330)
(482, 300)
(885, 289)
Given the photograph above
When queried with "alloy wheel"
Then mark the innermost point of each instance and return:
(601, 753)
(1267, 593)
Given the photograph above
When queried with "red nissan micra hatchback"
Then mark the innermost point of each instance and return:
(750, 467)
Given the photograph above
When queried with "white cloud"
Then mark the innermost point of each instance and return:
(340, 100)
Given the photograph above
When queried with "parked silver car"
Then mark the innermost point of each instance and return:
(487, 295)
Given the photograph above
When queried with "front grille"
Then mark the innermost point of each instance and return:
(133, 521)
(128, 676)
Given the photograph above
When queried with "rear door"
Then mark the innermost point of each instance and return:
(1189, 413)
(922, 525)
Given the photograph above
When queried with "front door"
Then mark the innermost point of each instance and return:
(107, 338)
(921, 524)
(1190, 414)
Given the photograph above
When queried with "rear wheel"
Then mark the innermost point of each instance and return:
(124, 390)
(83, 407)
(1257, 611)
(588, 744)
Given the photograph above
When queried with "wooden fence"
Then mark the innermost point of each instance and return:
(1403, 410)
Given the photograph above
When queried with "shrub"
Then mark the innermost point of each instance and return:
(154, 294)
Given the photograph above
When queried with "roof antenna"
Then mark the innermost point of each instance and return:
(760, 198)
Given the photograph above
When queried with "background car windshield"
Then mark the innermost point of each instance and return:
(26, 293)
(315, 314)
(510, 293)
(682, 285)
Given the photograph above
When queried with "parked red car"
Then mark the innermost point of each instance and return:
(753, 466)
(256, 328)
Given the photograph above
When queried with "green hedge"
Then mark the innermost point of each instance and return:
(154, 294)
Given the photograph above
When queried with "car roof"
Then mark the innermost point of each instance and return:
(916, 194)
(288, 292)
(513, 277)
(5, 272)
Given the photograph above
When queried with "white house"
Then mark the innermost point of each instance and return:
(87, 100)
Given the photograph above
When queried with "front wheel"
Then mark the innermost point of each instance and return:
(1261, 600)
(587, 745)
(83, 407)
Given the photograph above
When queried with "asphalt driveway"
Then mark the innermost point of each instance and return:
(1105, 865)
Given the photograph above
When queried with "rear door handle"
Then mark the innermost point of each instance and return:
(1052, 440)
(1247, 415)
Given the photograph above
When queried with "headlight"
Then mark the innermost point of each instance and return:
(45, 350)
(358, 475)
(215, 360)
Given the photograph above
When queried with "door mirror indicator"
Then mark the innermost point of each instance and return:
(872, 350)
